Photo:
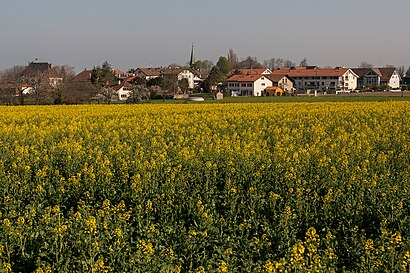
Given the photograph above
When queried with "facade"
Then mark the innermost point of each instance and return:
(248, 85)
(327, 80)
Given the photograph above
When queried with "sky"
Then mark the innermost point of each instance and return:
(135, 33)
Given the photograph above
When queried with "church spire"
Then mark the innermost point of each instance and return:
(192, 60)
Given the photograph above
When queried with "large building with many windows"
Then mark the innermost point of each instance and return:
(327, 80)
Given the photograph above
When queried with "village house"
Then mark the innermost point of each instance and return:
(180, 74)
(123, 90)
(283, 81)
(371, 77)
(248, 85)
(36, 72)
(148, 73)
(331, 80)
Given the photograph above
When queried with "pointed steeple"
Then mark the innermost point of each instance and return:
(192, 60)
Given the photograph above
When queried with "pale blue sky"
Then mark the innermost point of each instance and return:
(130, 34)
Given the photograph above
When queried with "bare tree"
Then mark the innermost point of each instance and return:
(249, 62)
(304, 62)
(273, 63)
(401, 70)
(13, 83)
(365, 64)
(288, 63)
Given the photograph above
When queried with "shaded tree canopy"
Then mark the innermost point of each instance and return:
(102, 75)
(220, 71)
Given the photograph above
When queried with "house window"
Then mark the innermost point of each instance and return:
(249, 85)
(263, 84)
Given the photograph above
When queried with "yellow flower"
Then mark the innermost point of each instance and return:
(6, 222)
(223, 267)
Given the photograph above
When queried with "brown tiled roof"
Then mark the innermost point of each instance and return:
(150, 71)
(117, 87)
(244, 78)
(386, 73)
(83, 76)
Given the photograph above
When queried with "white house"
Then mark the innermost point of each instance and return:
(322, 79)
(180, 74)
(123, 90)
(390, 77)
(248, 85)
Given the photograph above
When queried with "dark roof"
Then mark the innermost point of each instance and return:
(36, 68)
(386, 73)
(361, 72)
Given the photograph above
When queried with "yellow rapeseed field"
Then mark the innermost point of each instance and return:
(294, 187)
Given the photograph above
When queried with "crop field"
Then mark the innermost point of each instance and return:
(251, 187)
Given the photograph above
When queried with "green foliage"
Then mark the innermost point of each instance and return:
(102, 75)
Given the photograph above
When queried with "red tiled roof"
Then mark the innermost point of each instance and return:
(312, 72)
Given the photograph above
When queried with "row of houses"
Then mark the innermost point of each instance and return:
(124, 89)
(247, 82)
(260, 82)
